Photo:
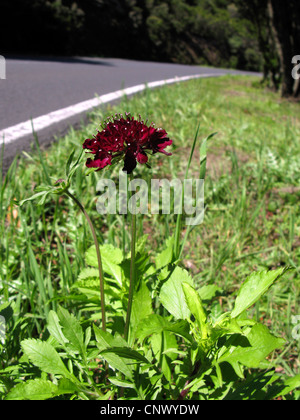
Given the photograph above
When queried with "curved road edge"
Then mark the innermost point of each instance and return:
(55, 124)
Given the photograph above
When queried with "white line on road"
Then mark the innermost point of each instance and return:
(15, 132)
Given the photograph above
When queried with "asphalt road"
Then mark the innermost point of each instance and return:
(35, 87)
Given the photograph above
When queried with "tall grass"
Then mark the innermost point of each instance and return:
(252, 204)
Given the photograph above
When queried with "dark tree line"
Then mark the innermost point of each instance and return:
(262, 35)
(185, 31)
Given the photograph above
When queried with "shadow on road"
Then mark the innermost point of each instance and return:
(62, 59)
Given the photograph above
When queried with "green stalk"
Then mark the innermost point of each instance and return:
(102, 296)
(177, 252)
(177, 248)
(132, 276)
(36, 140)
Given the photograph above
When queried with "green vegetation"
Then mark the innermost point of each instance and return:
(49, 286)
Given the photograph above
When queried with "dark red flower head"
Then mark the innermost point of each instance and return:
(128, 139)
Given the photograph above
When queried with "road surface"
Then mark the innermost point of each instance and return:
(57, 92)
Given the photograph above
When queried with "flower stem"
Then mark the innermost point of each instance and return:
(132, 276)
(101, 277)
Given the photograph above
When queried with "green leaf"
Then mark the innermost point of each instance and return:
(88, 278)
(251, 352)
(155, 324)
(89, 284)
(289, 385)
(141, 307)
(36, 389)
(254, 287)
(166, 256)
(65, 386)
(74, 167)
(172, 296)
(251, 388)
(55, 329)
(140, 244)
(45, 357)
(160, 344)
(38, 276)
(121, 383)
(111, 257)
(32, 198)
(225, 325)
(127, 353)
(106, 341)
(180, 328)
(41, 389)
(203, 156)
(88, 273)
(69, 161)
(42, 191)
(194, 303)
(208, 292)
(72, 331)
(109, 252)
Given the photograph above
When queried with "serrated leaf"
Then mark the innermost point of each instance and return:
(156, 324)
(65, 386)
(112, 254)
(251, 388)
(254, 287)
(36, 389)
(127, 353)
(45, 357)
(111, 257)
(121, 383)
(92, 284)
(172, 295)
(72, 330)
(260, 344)
(88, 273)
(141, 307)
(105, 341)
(41, 389)
(55, 329)
(289, 385)
(153, 324)
(42, 194)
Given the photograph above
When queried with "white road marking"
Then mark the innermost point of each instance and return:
(15, 132)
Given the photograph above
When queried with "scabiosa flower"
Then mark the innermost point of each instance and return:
(128, 139)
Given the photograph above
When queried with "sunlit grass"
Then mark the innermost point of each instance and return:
(251, 192)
